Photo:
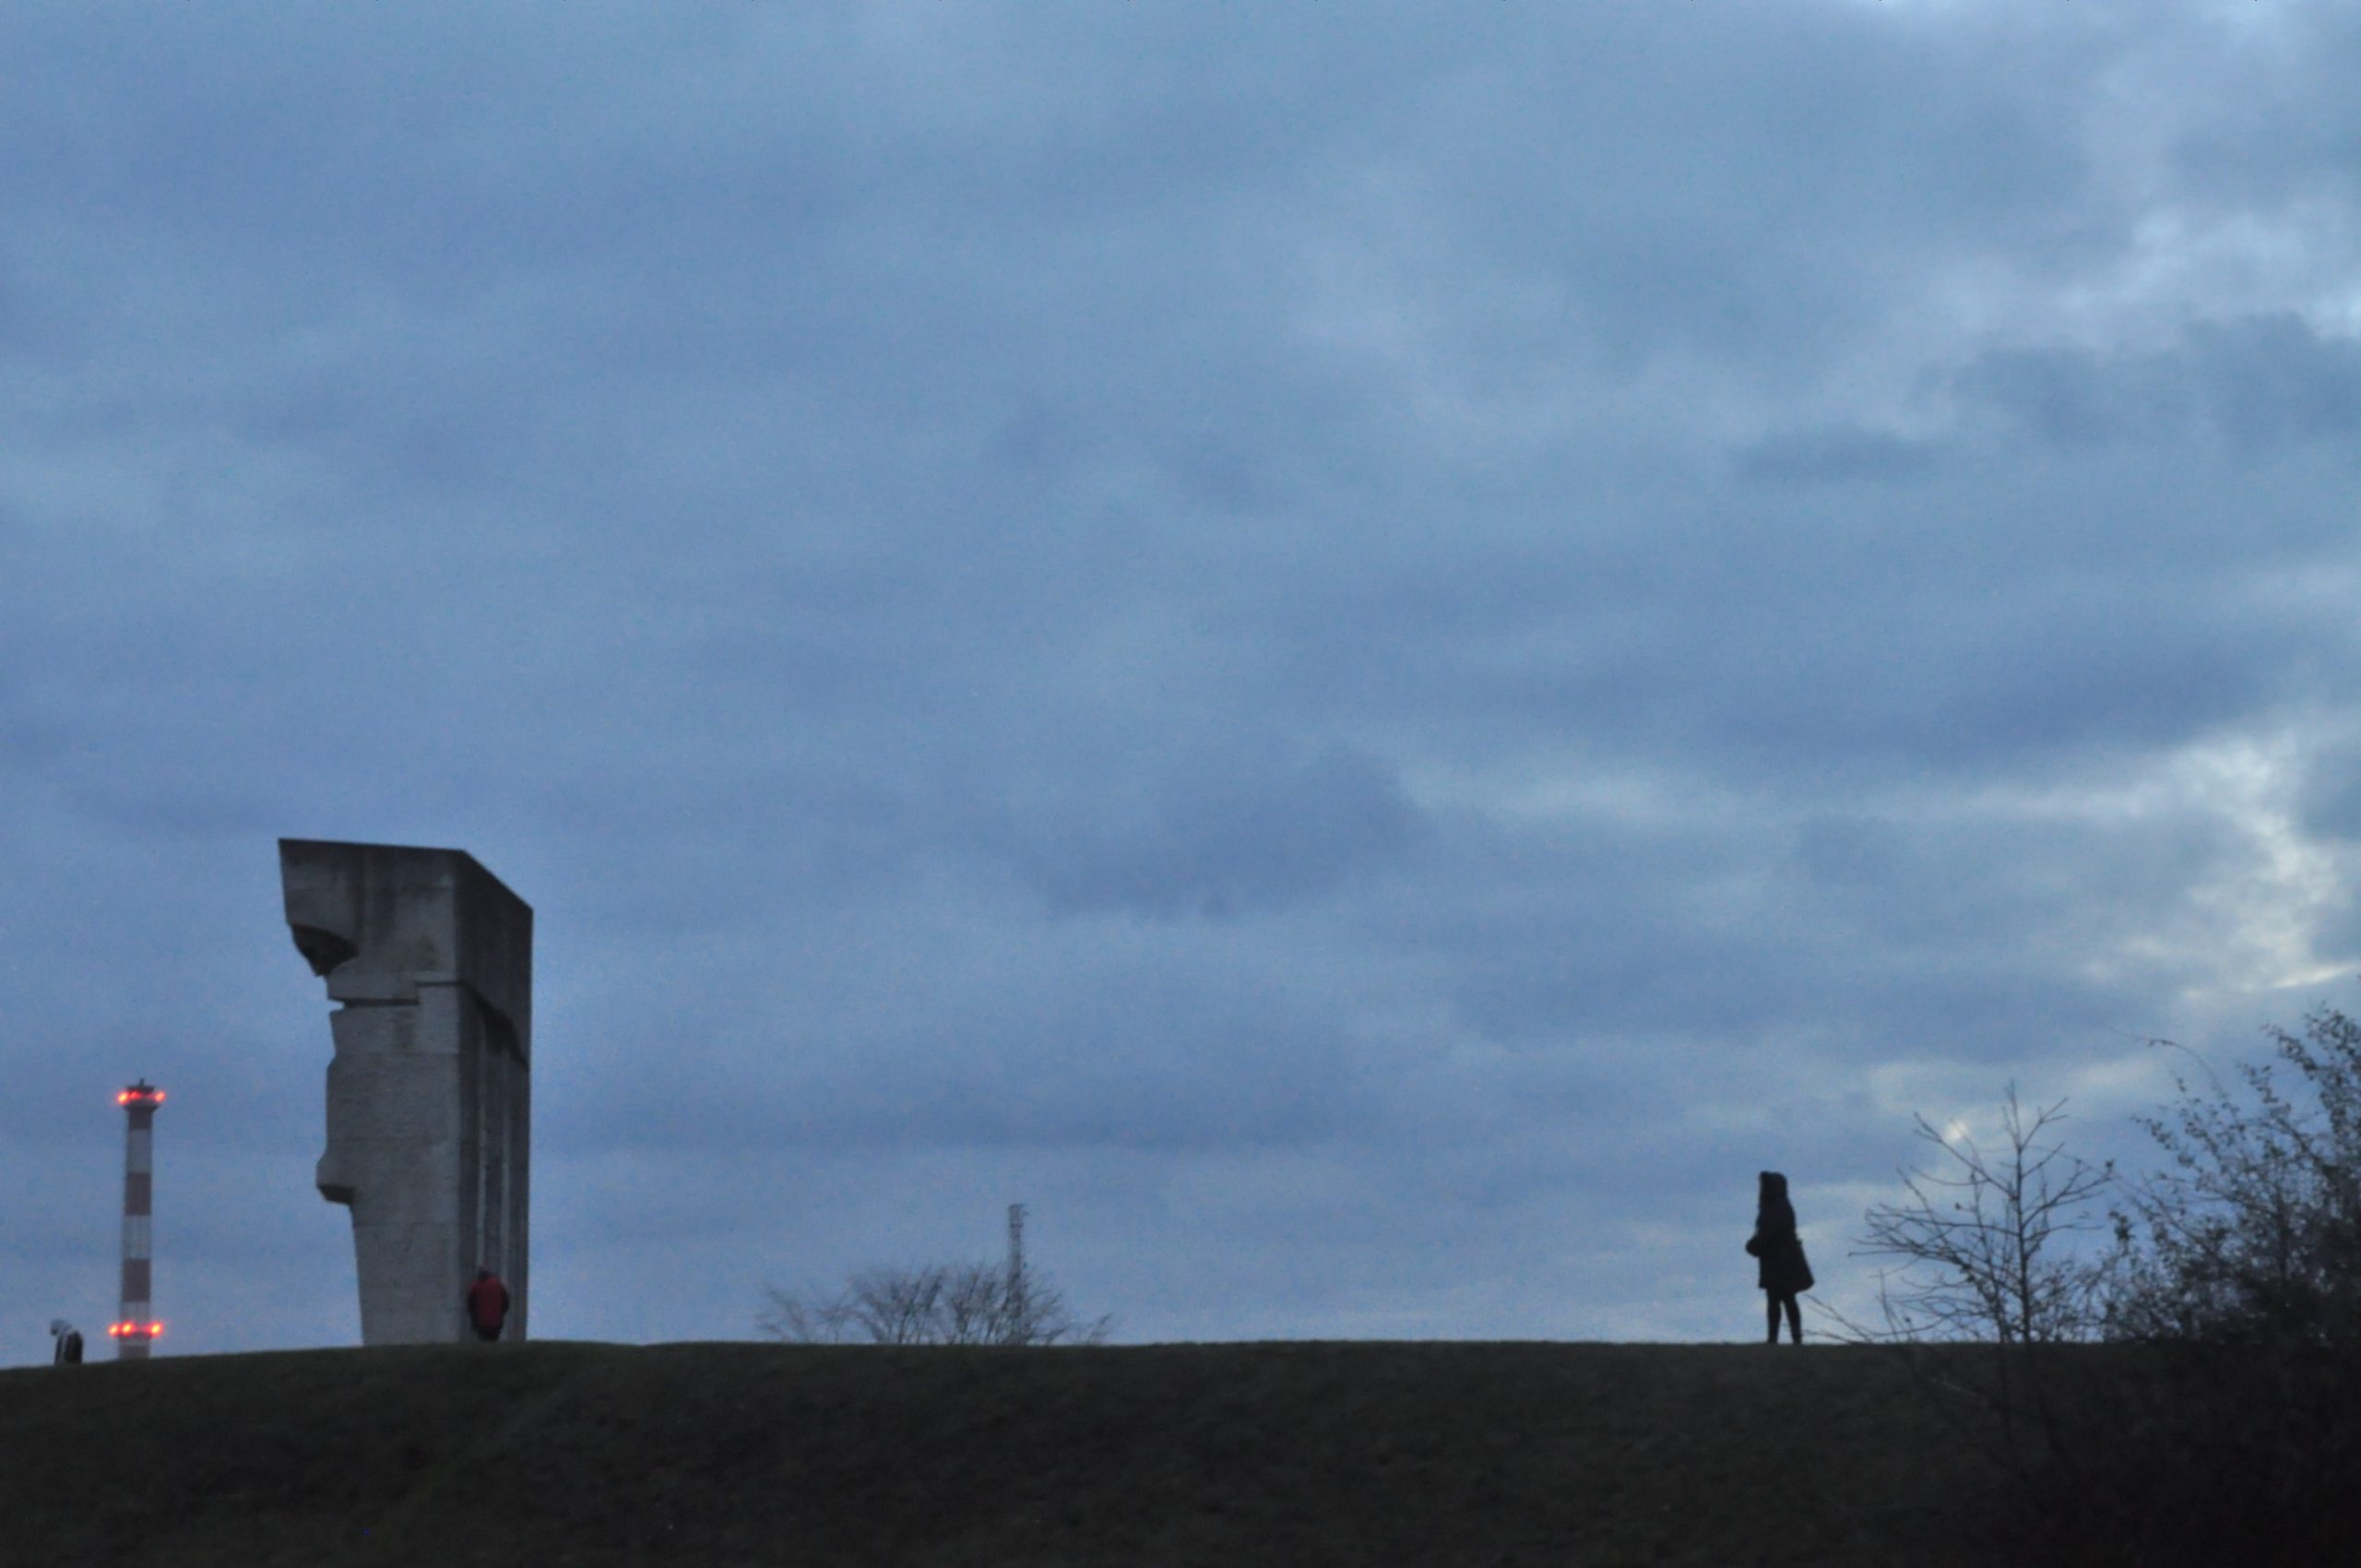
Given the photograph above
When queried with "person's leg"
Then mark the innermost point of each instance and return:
(1771, 1302)
(1795, 1319)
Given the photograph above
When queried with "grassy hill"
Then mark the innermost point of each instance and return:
(538, 1455)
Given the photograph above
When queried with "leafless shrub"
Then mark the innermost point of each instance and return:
(2194, 1392)
(975, 1304)
(2238, 1285)
(1985, 1250)
(1983, 1242)
(2252, 1234)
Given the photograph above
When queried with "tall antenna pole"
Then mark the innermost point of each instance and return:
(134, 1326)
(1017, 1305)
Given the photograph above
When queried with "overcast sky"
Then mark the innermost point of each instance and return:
(1368, 650)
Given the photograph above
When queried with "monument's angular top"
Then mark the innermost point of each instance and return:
(374, 920)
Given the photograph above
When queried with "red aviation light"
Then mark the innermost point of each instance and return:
(134, 1331)
(141, 1093)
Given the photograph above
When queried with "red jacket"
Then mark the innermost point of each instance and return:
(488, 1302)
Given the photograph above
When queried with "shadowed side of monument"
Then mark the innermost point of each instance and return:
(430, 958)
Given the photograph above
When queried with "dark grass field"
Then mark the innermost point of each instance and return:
(1242, 1455)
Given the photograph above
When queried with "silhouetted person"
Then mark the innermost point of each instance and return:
(487, 1305)
(68, 1351)
(1781, 1269)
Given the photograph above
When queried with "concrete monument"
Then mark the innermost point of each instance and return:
(430, 1092)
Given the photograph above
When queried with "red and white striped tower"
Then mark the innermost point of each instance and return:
(135, 1325)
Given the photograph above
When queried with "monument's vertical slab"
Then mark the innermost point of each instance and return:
(430, 1091)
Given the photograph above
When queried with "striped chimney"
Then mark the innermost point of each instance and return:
(135, 1324)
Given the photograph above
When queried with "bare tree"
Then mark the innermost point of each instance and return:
(1985, 1250)
(806, 1318)
(1982, 1244)
(975, 1304)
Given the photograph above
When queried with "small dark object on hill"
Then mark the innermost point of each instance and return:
(68, 1350)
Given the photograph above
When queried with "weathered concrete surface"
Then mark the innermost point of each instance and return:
(430, 1092)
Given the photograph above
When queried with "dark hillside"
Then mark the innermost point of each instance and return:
(538, 1455)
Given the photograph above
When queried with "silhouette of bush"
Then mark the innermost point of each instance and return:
(2194, 1396)
(975, 1304)
(2236, 1283)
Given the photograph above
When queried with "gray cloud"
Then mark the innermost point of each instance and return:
(1835, 454)
(1241, 835)
(2255, 382)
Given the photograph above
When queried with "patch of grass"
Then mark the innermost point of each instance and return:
(1236, 1455)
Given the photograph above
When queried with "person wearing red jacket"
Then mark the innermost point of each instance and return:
(487, 1305)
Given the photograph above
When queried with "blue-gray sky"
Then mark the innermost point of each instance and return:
(1368, 651)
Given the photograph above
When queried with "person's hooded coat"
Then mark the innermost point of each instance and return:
(1782, 1268)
